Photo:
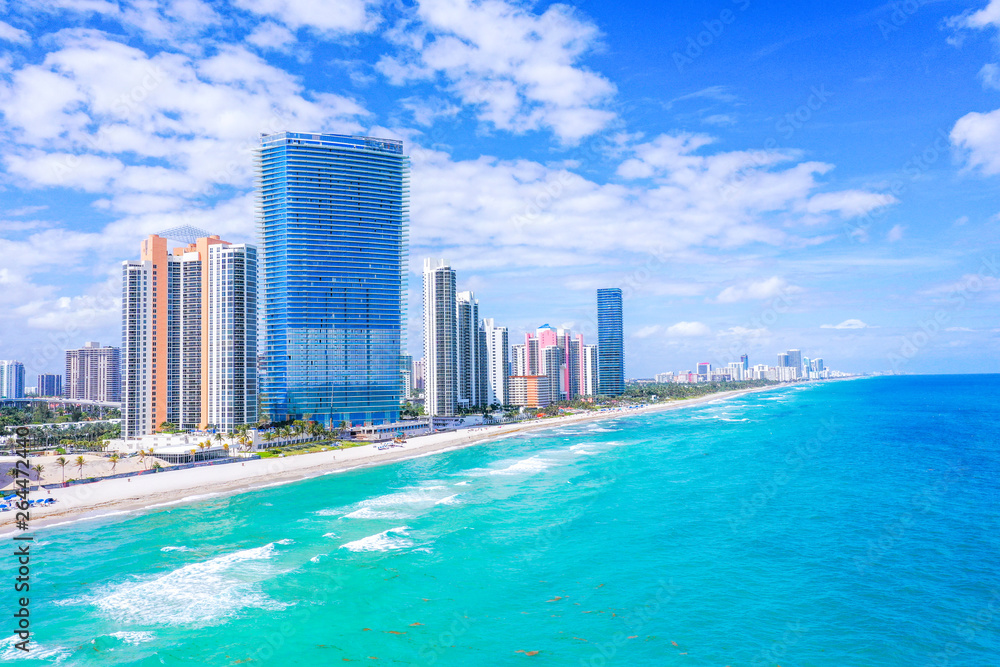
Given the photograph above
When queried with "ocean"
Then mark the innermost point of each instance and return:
(842, 523)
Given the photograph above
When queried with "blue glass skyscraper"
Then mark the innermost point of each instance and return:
(333, 213)
(610, 356)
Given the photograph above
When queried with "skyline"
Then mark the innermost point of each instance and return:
(778, 231)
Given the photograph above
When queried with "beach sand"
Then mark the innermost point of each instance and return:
(116, 496)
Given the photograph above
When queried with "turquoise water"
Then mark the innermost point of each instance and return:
(851, 523)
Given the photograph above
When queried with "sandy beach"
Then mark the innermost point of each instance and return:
(116, 496)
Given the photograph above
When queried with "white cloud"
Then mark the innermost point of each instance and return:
(647, 331)
(978, 135)
(990, 76)
(519, 70)
(96, 112)
(848, 203)
(970, 286)
(847, 324)
(720, 119)
(337, 16)
(688, 330)
(757, 291)
(526, 213)
(744, 333)
(11, 34)
(270, 35)
(895, 234)
(426, 111)
(987, 16)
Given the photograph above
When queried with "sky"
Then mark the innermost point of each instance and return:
(755, 176)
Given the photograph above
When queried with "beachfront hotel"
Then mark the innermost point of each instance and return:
(440, 339)
(610, 357)
(332, 215)
(189, 334)
(93, 373)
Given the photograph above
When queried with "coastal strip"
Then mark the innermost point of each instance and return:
(114, 497)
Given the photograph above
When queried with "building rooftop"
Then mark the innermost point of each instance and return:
(343, 140)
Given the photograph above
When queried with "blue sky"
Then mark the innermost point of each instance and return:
(755, 175)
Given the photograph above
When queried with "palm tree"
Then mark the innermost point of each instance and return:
(225, 448)
(218, 438)
(61, 462)
(38, 468)
(344, 428)
(114, 461)
(157, 466)
(79, 464)
(193, 452)
(142, 458)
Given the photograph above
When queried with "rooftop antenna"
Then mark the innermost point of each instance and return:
(185, 233)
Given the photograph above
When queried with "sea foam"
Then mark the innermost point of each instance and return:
(200, 593)
(388, 540)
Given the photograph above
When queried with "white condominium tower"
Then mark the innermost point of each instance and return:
(440, 340)
(472, 383)
(589, 379)
(497, 363)
(189, 335)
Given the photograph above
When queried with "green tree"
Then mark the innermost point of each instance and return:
(79, 463)
(39, 469)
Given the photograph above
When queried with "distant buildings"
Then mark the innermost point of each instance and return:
(93, 373)
(189, 336)
(406, 369)
(333, 212)
(741, 371)
(795, 359)
(50, 384)
(418, 374)
(11, 379)
(610, 353)
(440, 340)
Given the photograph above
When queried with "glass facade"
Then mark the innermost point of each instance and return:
(333, 214)
(610, 357)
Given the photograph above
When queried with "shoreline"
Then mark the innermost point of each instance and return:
(123, 496)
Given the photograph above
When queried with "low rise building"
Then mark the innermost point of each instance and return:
(530, 391)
